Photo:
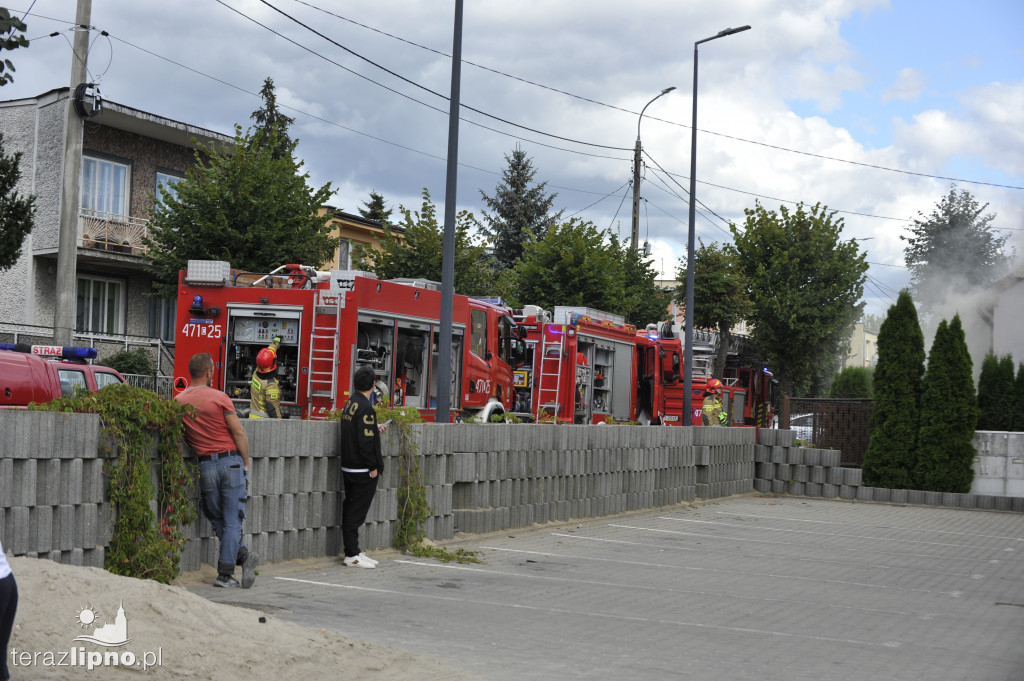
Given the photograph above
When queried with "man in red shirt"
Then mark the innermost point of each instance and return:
(220, 444)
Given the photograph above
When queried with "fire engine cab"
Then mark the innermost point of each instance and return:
(330, 323)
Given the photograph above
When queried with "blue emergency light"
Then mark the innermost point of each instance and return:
(62, 351)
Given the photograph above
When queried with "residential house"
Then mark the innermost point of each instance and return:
(1002, 312)
(863, 347)
(127, 154)
(353, 231)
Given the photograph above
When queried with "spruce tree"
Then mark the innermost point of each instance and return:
(1017, 423)
(986, 392)
(520, 214)
(374, 209)
(949, 414)
(893, 430)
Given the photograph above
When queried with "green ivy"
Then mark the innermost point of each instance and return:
(132, 418)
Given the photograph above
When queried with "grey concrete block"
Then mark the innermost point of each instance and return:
(829, 491)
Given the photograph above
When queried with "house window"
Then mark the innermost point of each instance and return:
(344, 255)
(104, 186)
(161, 319)
(167, 181)
(100, 306)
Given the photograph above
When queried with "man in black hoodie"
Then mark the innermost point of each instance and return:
(361, 464)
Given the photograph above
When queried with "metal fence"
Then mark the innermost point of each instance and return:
(161, 385)
(831, 424)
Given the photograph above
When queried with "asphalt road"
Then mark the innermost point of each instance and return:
(748, 587)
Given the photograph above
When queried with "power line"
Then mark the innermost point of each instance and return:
(662, 120)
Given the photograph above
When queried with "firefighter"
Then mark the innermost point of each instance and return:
(265, 392)
(712, 413)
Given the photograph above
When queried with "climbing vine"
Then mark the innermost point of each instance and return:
(132, 419)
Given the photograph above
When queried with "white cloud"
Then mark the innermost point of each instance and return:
(909, 85)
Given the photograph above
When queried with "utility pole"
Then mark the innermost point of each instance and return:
(635, 237)
(70, 197)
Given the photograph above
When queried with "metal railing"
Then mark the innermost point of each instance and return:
(111, 232)
(161, 385)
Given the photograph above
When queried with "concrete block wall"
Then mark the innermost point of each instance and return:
(53, 494)
(478, 479)
(999, 465)
(781, 468)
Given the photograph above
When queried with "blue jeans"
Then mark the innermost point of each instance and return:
(223, 486)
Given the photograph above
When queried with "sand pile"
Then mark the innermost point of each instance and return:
(178, 634)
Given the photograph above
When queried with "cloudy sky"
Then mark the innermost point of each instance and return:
(870, 107)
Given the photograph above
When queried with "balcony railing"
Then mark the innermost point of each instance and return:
(112, 233)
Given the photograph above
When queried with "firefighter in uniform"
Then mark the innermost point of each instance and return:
(265, 392)
(712, 413)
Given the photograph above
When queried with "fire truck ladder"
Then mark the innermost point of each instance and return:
(547, 358)
(323, 353)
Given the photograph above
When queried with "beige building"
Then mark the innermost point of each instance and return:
(353, 231)
(863, 347)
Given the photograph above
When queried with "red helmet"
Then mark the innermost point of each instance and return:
(266, 360)
(714, 386)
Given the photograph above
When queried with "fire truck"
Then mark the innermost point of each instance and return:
(587, 366)
(579, 366)
(329, 324)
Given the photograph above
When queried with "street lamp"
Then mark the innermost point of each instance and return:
(636, 170)
(688, 349)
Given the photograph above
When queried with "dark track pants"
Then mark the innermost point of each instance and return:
(8, 606)
(359, 491)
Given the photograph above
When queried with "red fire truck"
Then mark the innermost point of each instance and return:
(588, 366)
(579, 366)
(329, 323)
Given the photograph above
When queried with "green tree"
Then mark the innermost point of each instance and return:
(374, 209)
(872, 322)
(520, 214)
(852, 382)
(996, 393)
(135, 361)
(891, 455)
(572, 265)
(242, 204)
(720, 294)
(1018, 400)
(12, 37)
(418, 251)
(949, 414)
(953, 249)
(643, 302)
(271, 126)
(17, 212)
(804, 285)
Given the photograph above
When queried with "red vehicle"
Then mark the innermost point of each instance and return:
(579, 366)
(40, 373)
(329, 324)
(587, 366)
(748, 394)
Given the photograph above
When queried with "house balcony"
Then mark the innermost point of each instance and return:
(111, 233)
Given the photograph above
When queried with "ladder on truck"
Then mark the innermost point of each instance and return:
(550, 353)
(323, 352)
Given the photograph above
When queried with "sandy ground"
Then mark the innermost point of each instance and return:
(180, 635)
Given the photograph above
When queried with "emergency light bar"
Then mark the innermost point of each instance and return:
(207, 273)
(64, 352)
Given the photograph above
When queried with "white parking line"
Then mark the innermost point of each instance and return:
(880, 527)
(827, 534)
(589, 615)
(764, 574)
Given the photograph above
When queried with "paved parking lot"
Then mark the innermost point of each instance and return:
(743, 588)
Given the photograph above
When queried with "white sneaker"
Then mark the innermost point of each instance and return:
(357, 561)
(368, 559)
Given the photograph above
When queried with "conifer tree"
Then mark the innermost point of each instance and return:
(1018, 401)
(996, 393)
(949, 414)
(375, 209)
(892, 447)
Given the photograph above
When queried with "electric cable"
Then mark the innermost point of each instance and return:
(662, 120)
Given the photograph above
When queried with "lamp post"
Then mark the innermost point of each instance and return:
(635, 238)
(688, 347)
